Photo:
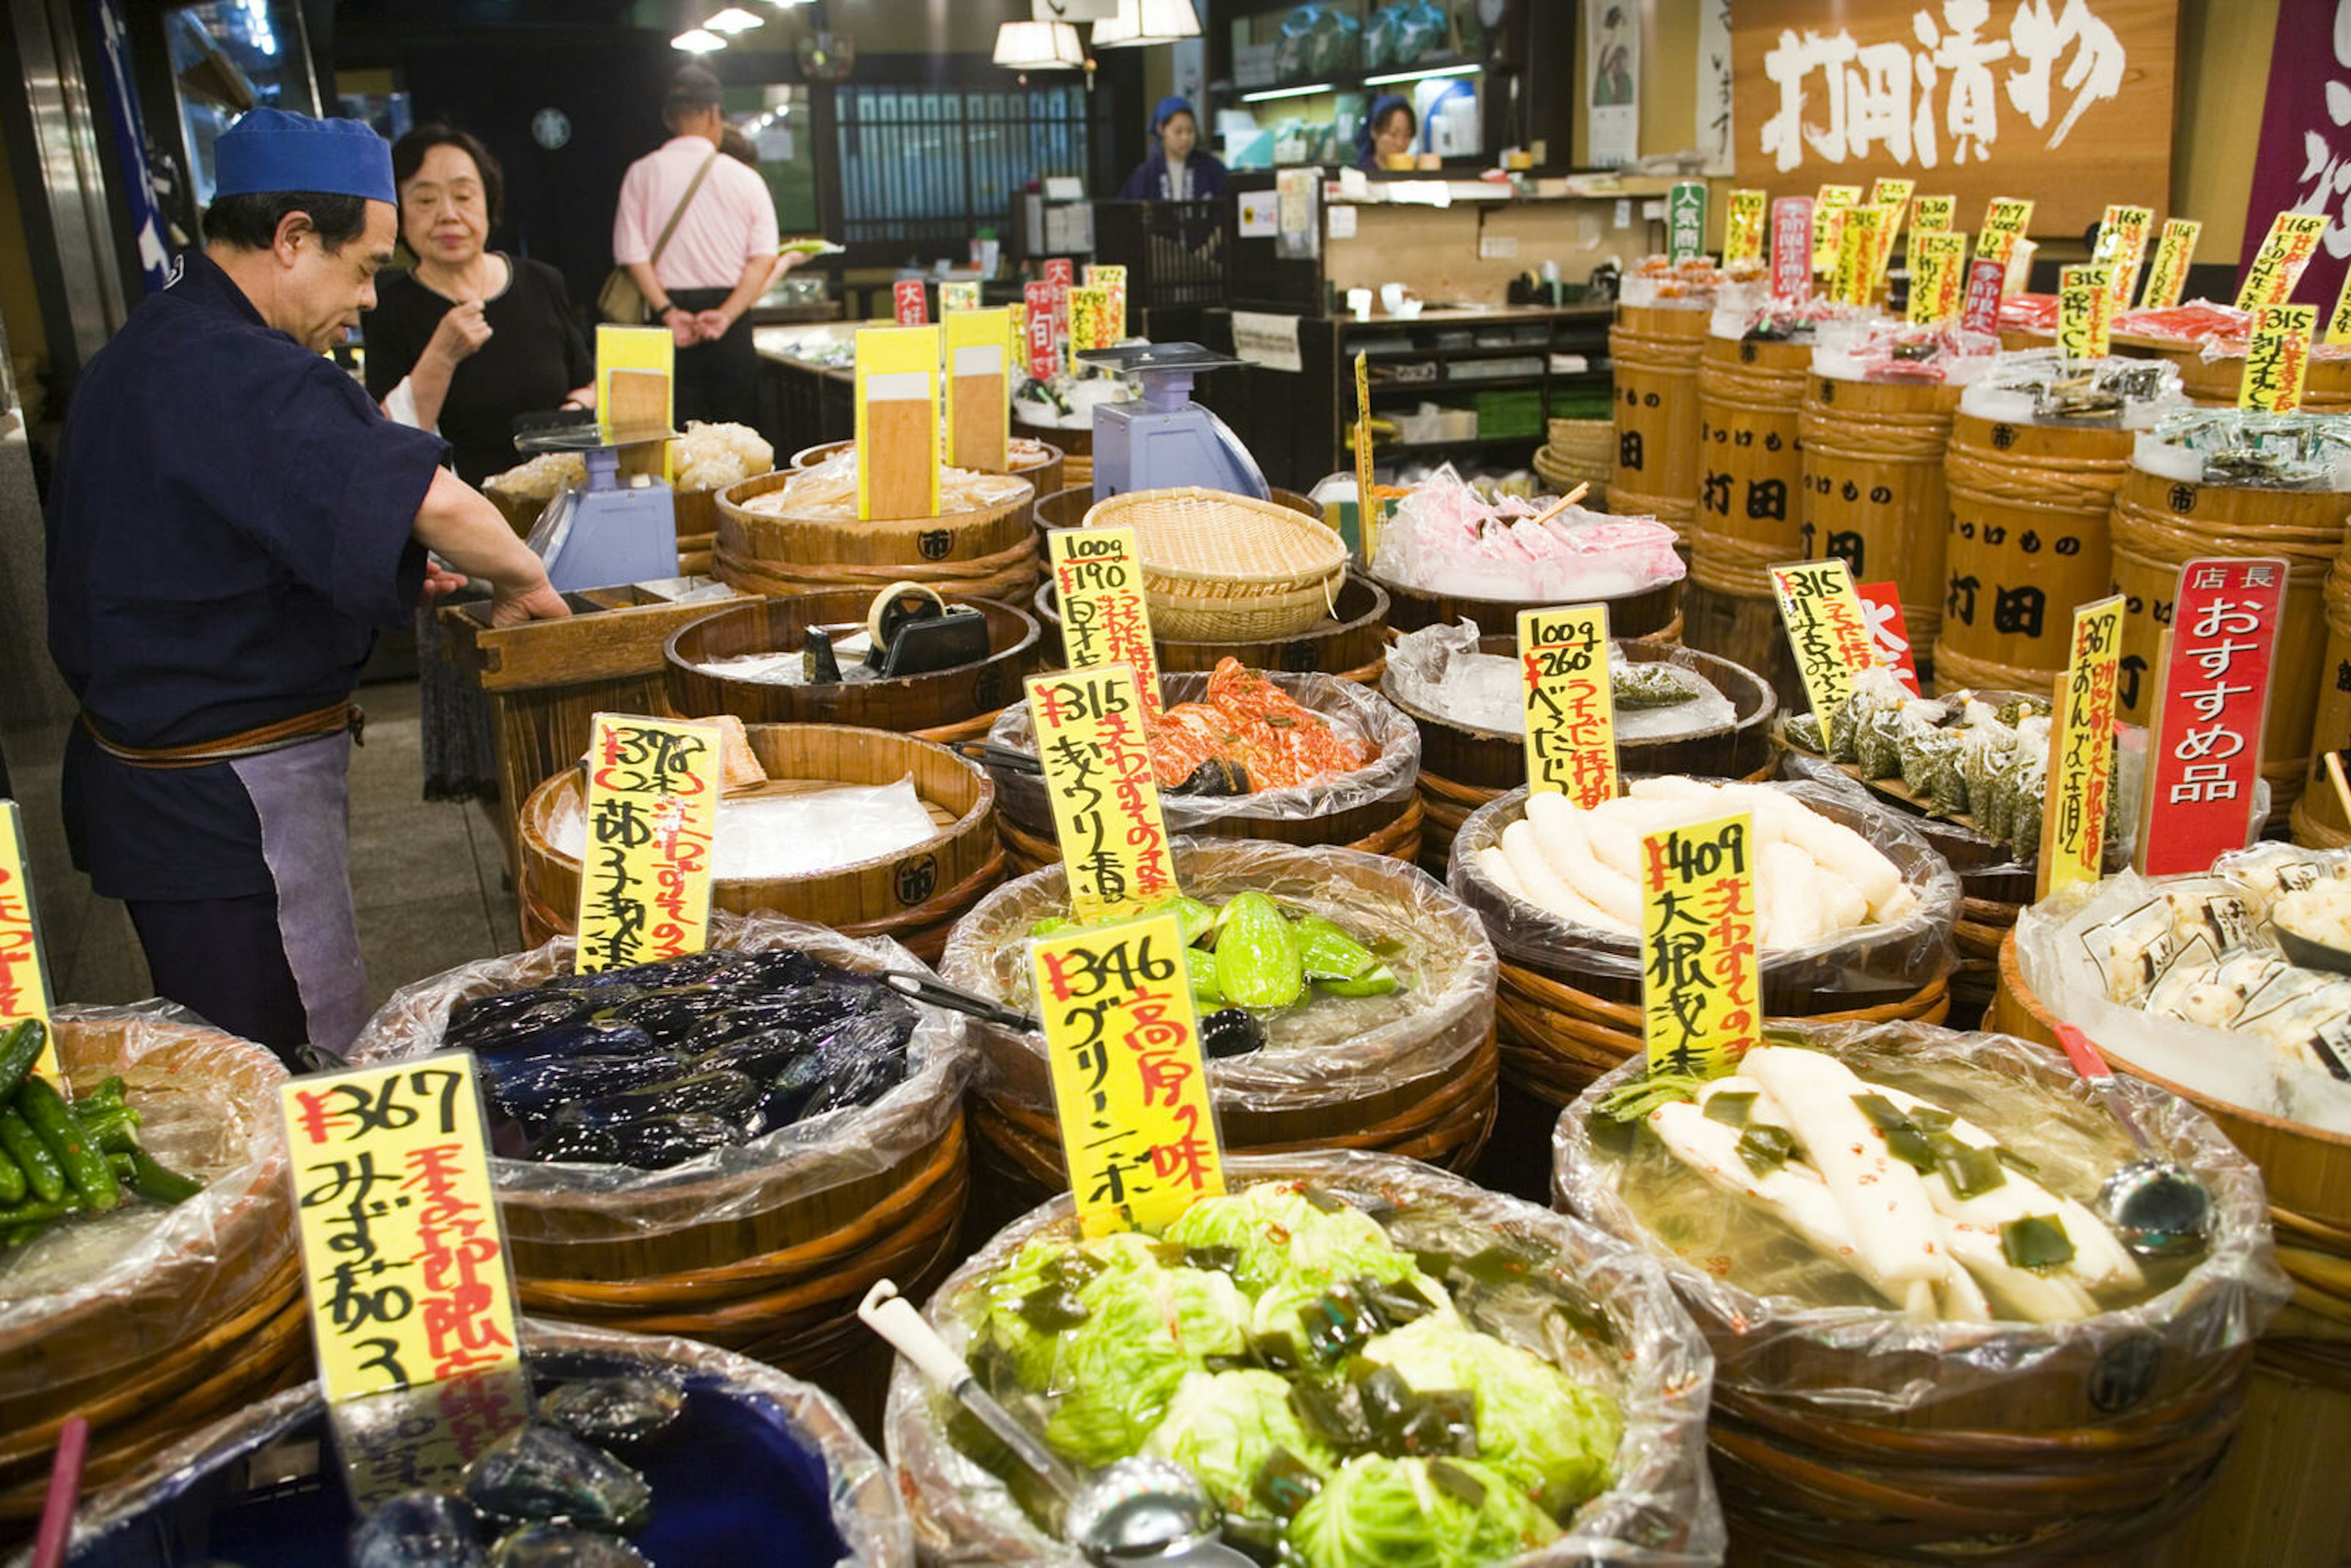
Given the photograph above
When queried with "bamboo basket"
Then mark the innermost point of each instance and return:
(2160, 525)
(1654, 352)
(2318, 820)
(1580, 452)
(201, 1312)
(1652, 613)
(911, 897)
(1221, 568)
(1374, 808)
(983, 553)
(2216, 381)
(1422, 1084)
(2029, 518)
(1750, 467)
(1045, 471)
(1462, 766)
(954, 703)
(1350, 643)
(2299, 1403)
(1568, 1011)
(1067, 508)
(1873, 490)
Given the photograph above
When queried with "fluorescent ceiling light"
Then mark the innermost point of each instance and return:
(1039, 46)
(1422, 76)
(1140, 22)
(1286, 92)
(732, 20)
(697, 41)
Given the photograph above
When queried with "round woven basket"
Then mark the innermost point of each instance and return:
(1066, 509)
(1350, 643)
(1221, 568)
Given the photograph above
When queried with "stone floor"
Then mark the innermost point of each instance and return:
(428, 877)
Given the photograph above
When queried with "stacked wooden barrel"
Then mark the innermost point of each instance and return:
(1748, 510)
(1874, 486)
(1654, 350)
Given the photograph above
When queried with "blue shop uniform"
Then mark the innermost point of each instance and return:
(229, 525)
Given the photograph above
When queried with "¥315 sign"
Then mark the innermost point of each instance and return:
(2070, 100)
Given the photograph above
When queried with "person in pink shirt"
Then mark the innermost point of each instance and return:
(719, 260)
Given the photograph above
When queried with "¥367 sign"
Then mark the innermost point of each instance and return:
(2069, 101)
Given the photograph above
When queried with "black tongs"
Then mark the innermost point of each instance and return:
(988, 754)
(922, 989)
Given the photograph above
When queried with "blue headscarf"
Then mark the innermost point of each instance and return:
(1381, 106)
(1168, 108)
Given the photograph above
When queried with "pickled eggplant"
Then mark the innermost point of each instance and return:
(539, 1472)
(621, 1414)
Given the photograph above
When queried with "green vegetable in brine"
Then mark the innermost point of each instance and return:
(1328, 953)
(85, 1165)
(1200, 971)
(1225, 1427)
(20, 1047)
(1198, 919)
(1274, 1235)
(1258, 960)
(1052, 926)
(1378, 1512)
(1647, 685)
(43, 1170)
(1378, 981)
(2036, 1241)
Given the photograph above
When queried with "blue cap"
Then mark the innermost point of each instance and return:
(1169, 107)
(270, 151)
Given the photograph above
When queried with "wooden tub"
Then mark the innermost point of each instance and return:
(1653, 613)
(1044, 470)
(983, 553)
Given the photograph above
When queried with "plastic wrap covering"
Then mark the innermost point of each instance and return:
(1355, 713)
(1331, 1052)
(1874, 960)
(103, 1291)
(1899, 352)
(1661, 284)
(827, 491)
(2237, 447)
(1787, 1324)
(2040, 386)
(788, 1165)
(773, 1422)
(1441, 671)
(1445, 537)
(1660, 1512)
(1756, 316)
(2123, 960)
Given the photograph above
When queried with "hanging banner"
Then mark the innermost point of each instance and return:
(1715, 143)
(1701, 989)
(2207, 742)
(1098, 589)
(2167, 278)
(2303, 161)
(652, 815)
(2082, 750)
(1570, 709)
(1612, 83)
(2071, 99)
(1105, 800)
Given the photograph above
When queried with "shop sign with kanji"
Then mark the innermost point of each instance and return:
(1571, 707)
(2215, 699)
(2081, 749)
(1097, 760)
(1827, 630)
(1098, 587)
(1701, 984)
(653, 813)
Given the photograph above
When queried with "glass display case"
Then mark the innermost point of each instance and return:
(230, 55)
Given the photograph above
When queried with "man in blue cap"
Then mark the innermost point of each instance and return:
(230, 523)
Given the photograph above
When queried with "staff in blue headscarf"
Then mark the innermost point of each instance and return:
(1176, 170)
(1383, 141)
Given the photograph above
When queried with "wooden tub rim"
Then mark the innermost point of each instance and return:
(1641, 651)
(1018, 652)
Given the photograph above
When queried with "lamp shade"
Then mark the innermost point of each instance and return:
(1140, 22)
(1039, 46)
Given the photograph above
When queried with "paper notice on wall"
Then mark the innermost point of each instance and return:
(1612, 82)
(1715, 142)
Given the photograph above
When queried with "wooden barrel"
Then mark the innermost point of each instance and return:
(190, 1314)
(1653, 613)
(1420, 1083)
(1654, 352)
(2028, 544)
(983, 553)
(1874, 491)
(1749, 511)
(1077, 445)
(2159, 525)
(698, 531)
(1351, 642)
(2300, 1399)
(1374, 808)
(1044, 470)
(954, 703)
(1462, 766)
(2318, 820)
(2216, 381)
(1569, 1008)
(913, 896)
(1852, 1436)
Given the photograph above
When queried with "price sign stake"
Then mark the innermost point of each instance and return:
(1571, 708)
(1106, 798)
(2081, 749)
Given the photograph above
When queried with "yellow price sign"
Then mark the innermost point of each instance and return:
(1702, 979)
(2086, 312)
(1742, 230)
(1891, 199)
(979, 425)
(2338, 326)
(2005, 220)
(1111, 278)
(1571, 708)
(897, 393)
(1856, 260)
(957, 296)
(636, 354)
(2122, 246)
(24, 973)
(1090, 323)
(1933, 214)
(652, 815)
(1130, 1080)
(2081, 751)
(2167, 280)
(1105, 620)
(2277, 358)
(2277, 266)
(1828, 630)
(1938, 276)
(404, 1259)
(1367, 507)
(1829, 210)
(1097, 759)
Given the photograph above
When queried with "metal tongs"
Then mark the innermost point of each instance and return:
(922, 989)
(988, 754)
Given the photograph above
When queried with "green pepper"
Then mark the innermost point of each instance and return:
(42, 1171)
(84, 1166)
(1200, 968)
(1197, 919)
(1328, 952)
(19, 1049)
(1257, 961)
(1376, 981)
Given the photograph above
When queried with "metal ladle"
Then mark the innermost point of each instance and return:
(2154, 1206)
(1138, 1511)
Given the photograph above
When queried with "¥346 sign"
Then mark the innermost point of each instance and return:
(2069, 101)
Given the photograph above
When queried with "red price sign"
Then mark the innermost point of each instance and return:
(1061, 271)
(1792, 248)
(2208, 739)
(1044, 360)
(1881, 606)
(913, 307)
(1980, 313)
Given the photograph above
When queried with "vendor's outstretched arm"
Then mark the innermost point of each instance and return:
(458, 523)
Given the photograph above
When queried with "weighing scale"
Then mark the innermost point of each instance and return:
(1164, 441)
(612, 529)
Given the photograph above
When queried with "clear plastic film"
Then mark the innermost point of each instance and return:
(1355, 713)
(2040, 386)
(1442, 671)
(827, 491)
(1789, 1325)
(788, 1165)
(172, 1495)
(1329, 1051)
(1942, 354)
(1661, 283)
(1862, 965)
(2243, 448)
(99, 1293)
(1448, 538)
(1661, 1510)
(1750, 314)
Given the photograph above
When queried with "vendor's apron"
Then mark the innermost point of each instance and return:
(298, 776)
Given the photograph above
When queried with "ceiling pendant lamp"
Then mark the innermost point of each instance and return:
(1140, 22)
(1039, 46)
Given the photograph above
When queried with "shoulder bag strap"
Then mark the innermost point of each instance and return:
(684, 202)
